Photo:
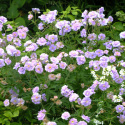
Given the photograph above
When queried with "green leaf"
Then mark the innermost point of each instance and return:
(18, 3)
(118, 26)
(16, 113)
(42, 2)
(74, 12)
(0, 34)
(8, 114)
(1, 120)
(71, 17)
(12, 12)
(20, 21)
(68, 9)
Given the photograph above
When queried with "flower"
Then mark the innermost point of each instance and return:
(65, 115)
(6, 102)
(41, 114)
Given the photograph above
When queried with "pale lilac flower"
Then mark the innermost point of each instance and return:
(3, 19)
(29, 42)
(80, 60)
(14, 100)
(104, 85)
(30, 16)
(115, 43)
(44, 97)
(88, 92)
(82, 123)
(52, 48)
(121, 118)
(39, 69)
(73, 53)
(54, 60)
(59, 45)
(110, 19)
(101, 36)
(16, 66)
(53, 38)
(1, 52)
(86, 101)
(29, 66)
(49, 67)
(17, 41)
(36, 10)
(35, 89)
(119, 108)
(92, 36)
(6, 102)
(73, 97)
(73, 121)
(41, 114)
(65, 115)
(22, 35)
(40, 26)
(21, 70)
(8, 61)
(112, 59)
(41, 41)
(122, 35)
(92, 14)
(86, 118)
(117, 53)
(62, 65)
(83, 33)
(21, 101)
(36, 98)
(11, 50)
(84, 14)
(9, 37)
(76, 25)
(99, 52)
(2, 63)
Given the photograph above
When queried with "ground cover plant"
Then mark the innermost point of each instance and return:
(67, 72)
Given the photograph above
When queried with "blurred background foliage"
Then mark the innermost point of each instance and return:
(12, 9)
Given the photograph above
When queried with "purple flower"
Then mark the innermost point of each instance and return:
(36, 98)
(86, 118)
(99, 52)
(52, 48)
(92, 14)
(112, 59)
(6, 102)
(49, 67)
(53, 38)
(9, 37)
(35, 90)
(65, 115)
(104, 85)
(115, 43)
(36, 10)
(29, 66)
(88, 92)
(2, 63)
(14, 100)
(62, 65)
(73, 121)
(11, 50)
(119, 108)
(76, 25)
(122, 35)
(17, 41)
(41, 114)
(80, 60)
(22, 35)
(39, 69)
(41, 41)
(82, 123)
(103, 64)
(3, 19)
(122, 91)
(92, 36)
(21, 101)
(101, 36)
(21, 70)
(7, 61)
(40, 26)
(83, 33)
(121, 118)
(86, 101)
(73, 97)
(73, 53)
(1, 52)
(44, 97)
